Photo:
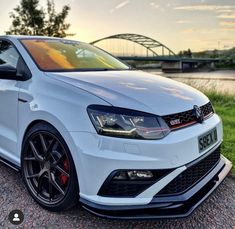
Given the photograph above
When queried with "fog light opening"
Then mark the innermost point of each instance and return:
(121, 176)
(134, 175)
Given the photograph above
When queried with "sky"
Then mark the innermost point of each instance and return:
(179, 24)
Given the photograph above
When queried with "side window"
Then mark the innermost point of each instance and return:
(8, 54)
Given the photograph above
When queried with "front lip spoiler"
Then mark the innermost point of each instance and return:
(169, 207)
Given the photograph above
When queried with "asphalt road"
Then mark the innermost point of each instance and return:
(218, 211)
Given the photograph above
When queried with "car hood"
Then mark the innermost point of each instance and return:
(136, 90)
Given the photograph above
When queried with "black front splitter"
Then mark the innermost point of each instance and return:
(167, 207)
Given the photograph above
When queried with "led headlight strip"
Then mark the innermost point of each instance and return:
(120, 122)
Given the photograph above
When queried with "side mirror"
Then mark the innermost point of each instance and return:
(8, 72)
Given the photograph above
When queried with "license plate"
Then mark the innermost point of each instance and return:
(206, 140)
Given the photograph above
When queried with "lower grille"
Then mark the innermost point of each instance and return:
(191, 176)
(128, 187)
(125, 189)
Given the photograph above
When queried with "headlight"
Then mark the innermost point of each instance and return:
(120, 122)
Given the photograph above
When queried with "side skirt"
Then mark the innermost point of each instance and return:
(10, 164)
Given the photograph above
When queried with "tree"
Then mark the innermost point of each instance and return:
(186, 53)
(189, 53)
(31, 19)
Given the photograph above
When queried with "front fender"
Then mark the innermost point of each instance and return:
(61, 105)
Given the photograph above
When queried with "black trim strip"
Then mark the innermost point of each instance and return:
(22, 100)
(10, 164)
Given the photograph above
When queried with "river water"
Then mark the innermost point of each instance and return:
(221, 81)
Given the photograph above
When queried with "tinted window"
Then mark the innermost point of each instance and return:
(64, 55)
(8, 54)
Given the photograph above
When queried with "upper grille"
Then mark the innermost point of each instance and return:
(187, 118)
(192, 175)
(207, 109)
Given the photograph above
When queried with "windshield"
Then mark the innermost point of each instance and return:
(64, 55)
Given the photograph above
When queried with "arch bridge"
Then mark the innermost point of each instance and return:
(155, 52)
(152, 46)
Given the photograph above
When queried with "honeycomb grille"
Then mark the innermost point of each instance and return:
(207, 109)
(125, 189)
(192, 175)
(188, 117)
(129, 187)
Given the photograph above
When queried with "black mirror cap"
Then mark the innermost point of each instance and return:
(8, 72)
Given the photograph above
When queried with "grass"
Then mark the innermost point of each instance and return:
(224, 105)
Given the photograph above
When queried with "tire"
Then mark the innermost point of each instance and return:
(48, 169)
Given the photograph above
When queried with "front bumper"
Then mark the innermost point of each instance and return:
(166, 207)
(96, 157)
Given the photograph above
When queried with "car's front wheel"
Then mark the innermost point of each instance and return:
(48, 169)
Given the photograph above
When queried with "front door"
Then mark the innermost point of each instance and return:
(8, 104)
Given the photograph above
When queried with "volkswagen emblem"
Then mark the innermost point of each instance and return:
(198, 114)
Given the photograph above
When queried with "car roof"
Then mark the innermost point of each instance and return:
(17, 37)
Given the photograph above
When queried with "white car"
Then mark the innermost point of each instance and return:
(82, 125)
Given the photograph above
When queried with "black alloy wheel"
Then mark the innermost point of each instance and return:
(48, 169)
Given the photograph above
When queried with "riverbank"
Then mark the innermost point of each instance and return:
(221, 81)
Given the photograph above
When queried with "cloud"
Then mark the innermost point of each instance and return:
(227, 23)
(227, 16)
(189, 30)
(201, 31)
(120, 5)
(225, 11)
(183, 22)
(228, 28)
(205, 7)
(154, 5)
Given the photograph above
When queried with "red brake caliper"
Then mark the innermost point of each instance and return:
(63, 177)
